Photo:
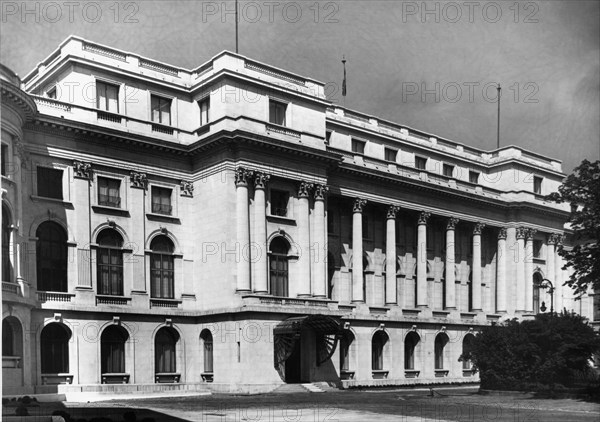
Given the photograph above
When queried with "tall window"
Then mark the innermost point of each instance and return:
(8, 339)
(4, 158)
(358, 146)
(109, 192)
(345, 342)
(420, 162)
(537, 249)
(49, 182)
(279, 202)
(537, 185)
(467, 347)
(107, 97)
(537, 282)
(380, 338)
(410, 346)
(440, 343)
(54, 343)
(6, 262)
(204, 106)
(110, 263)
(51, 257)
(161, 200)
(112, 350)
(207, 347)
(161, 110)
(277, 112)
(278, 266)
(162, 271)
(165, 348)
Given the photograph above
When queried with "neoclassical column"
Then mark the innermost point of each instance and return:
(319, 285)
(391, 293)
(520, 266)
(501, 272)
(260, 233)
(357, 251)
(529, 269)
(558, 280)
(450, 265)
(422, 259)
(242, 177)
(477, 305)
(304, 239)
(550, 252)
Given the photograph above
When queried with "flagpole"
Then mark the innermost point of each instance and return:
(498, 134)
(236, 27)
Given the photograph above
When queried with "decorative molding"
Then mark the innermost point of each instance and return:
(57, 317)
(381, 326)
(359, 204)
(502, 233)
(452, 222)
(554, 239)
(320, 192)
(242, 176)
(82, 170)
(116, 320)
(478, 228)
(521, 232)
(530, 233)
(413, 328)
(560, 238)
(392, 210)
(187, 188)
(346, 325)
(261, 179)
(423, 217)
(304, 189)
(138, 180)
(169, 322)
(443, 329)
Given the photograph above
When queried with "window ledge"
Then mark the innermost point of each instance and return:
(202, 129)
(115, 378)
(36, 198)
(411, 373)
(112, 300)
(207, 376)
(440, 314)
(11, 361)
(379, 374)
(441, 372)
(164, 303)
(412, 312)
(163, 217)
(167, 377)
(468, 372)
(468, 315)
(347, 375)
(8, 180)
(53, 379)
(103, 209)
(278, 219)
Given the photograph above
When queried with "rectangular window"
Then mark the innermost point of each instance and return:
(51, 93)
(448, 170)
(161, 110)
(358, 146)
(277, 112)
(162, 276)
(537, 185)
(279, 203)
(109, 192)
(107, 97)
(537, 249)
(49, 182)
(473, 177)
(204, 106)
(327, 137)
(161, 200)
(420, 162)
(4, 158)
(390, 155)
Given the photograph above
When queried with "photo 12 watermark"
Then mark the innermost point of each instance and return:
(70, 12)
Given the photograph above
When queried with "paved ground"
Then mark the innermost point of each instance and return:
(343, 406)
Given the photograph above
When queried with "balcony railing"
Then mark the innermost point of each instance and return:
(164, 303)
(112, 300)
(11, 288)
(162, 129)
(110, 117)
(109, 201)
(54, 297)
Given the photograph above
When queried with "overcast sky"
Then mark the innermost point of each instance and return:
(428, 65)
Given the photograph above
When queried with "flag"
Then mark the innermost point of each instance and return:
(344, 81)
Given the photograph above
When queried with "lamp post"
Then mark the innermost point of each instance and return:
(551, 291)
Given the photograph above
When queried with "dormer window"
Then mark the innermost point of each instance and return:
(277, 112)
(537, 185)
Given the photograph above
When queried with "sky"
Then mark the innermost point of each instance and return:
(429, 65)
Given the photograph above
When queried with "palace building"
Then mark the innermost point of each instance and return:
(228, 228)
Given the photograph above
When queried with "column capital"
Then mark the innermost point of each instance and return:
(502, 233)
(560, 238)
(554, 239)
(521, 232)
(359, 204)
(304, 189)
(478, 228)
(320, 192)
(423, 217)
(138, 180)
(451, 223)
(82, 170)
(187, 188)
(529, 233)
(392, 210)
(261, 179)
(242, 176)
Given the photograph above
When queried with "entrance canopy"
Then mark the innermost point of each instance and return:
(321, 324)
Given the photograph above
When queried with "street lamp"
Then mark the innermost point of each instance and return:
(551, 291)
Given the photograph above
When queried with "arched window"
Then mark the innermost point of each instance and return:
(345, 357)
(440, 343)
(165, 345)
(466, 348)
(537, 281)
(207, 346)
(380, 338)
(162, 271)
(54, 343)
(112, 350)
(8, 339)
(110, 263)
(51, 257)
(410, 346)
(6, 262)
(278, 266)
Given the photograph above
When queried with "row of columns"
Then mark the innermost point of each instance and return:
(523, 261)
(252, 271)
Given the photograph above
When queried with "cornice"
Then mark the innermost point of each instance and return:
(20, 99)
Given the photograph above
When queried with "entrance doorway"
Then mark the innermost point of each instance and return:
(293, 365)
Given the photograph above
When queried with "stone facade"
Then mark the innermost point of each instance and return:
(228, 228)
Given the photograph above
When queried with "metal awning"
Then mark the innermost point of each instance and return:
(321, 324)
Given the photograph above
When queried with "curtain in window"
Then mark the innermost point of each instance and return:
(110, 263)
(113, 350)
(109, 192)
(162, 268)
(161, 110)
(54, 344)
(165, 348)
(279, 275)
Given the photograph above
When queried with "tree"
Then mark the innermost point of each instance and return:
(581, 189)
